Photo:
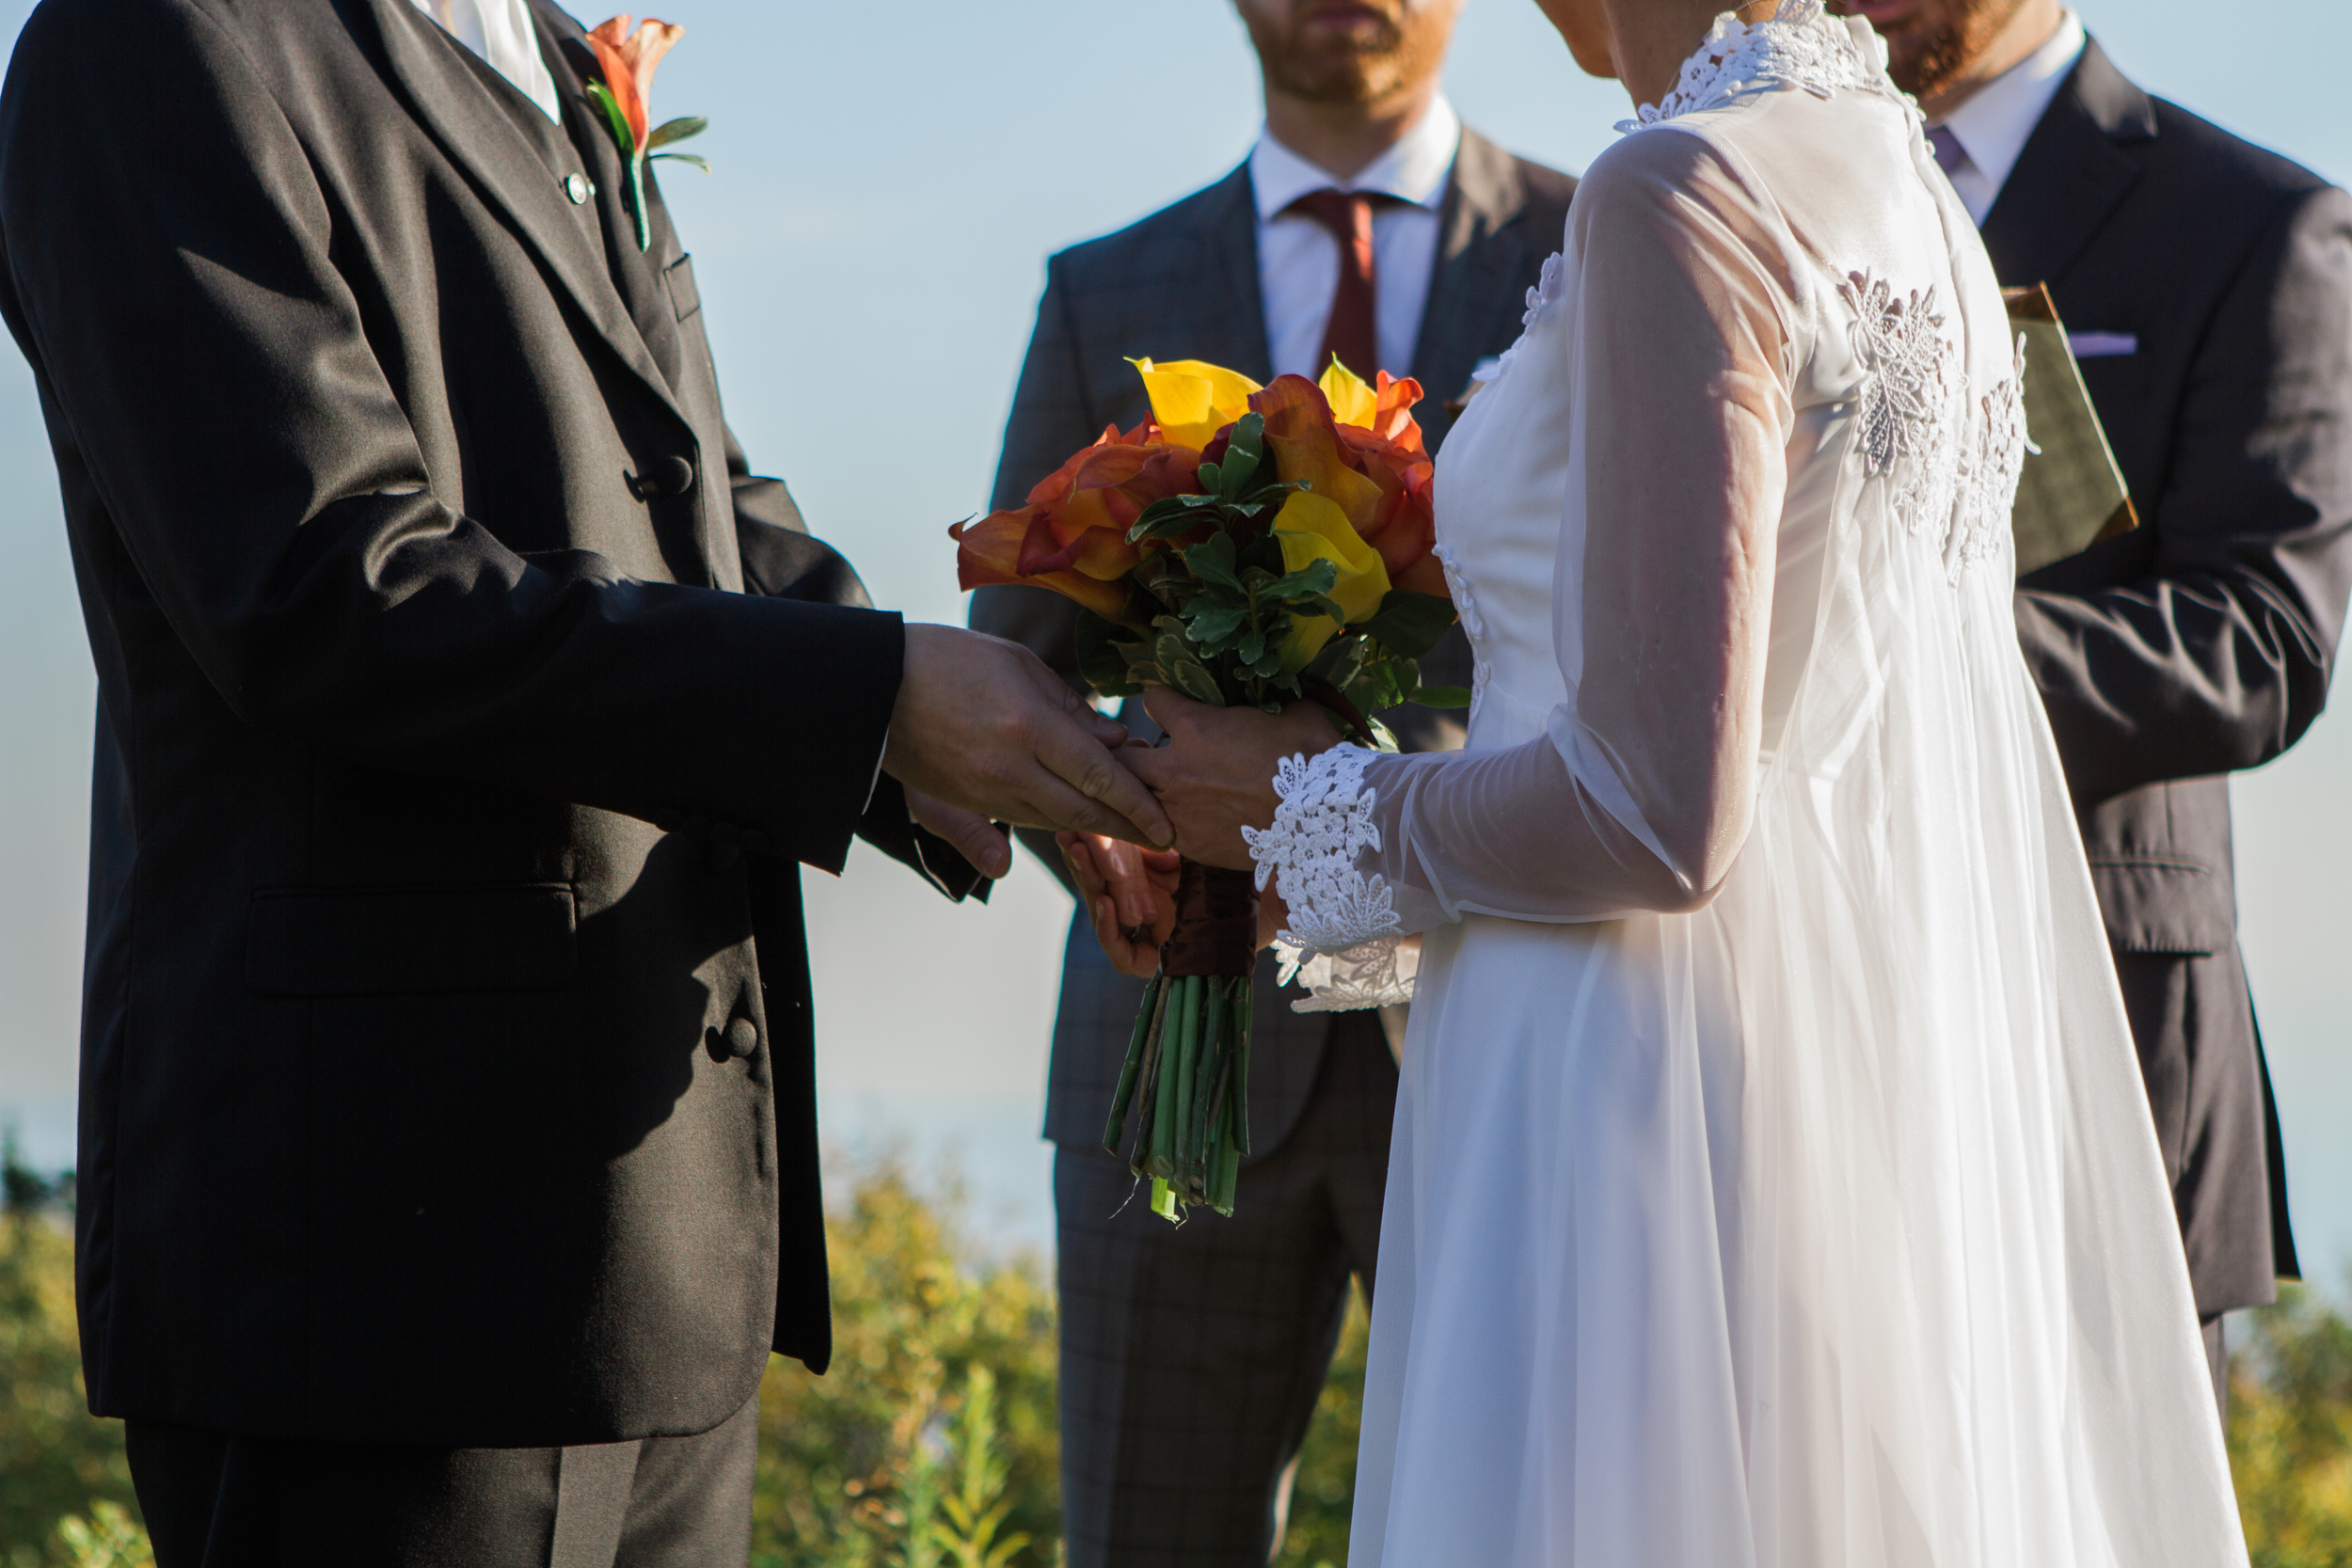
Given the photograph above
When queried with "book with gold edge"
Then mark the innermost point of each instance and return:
(2071, 495)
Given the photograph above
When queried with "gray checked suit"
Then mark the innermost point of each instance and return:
(1192, 1357)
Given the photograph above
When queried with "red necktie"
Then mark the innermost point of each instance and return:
(1354, 334)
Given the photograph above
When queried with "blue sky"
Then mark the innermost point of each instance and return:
(889, 179)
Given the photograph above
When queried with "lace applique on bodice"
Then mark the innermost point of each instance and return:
(1959, 452)
(1800, 47)
(1902, 350)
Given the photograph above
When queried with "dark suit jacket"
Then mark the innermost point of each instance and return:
(431, 1093)
(2202, 642)
(1182, 284)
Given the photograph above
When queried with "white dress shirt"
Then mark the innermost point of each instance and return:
(1993, 125)
(501, 33)
(1299, 259)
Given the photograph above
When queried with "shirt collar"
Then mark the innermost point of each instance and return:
(1414, 171)
(1995, 122)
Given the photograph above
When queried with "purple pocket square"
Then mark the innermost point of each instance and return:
(2102, 345)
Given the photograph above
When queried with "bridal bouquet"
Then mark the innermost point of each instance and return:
(1242, 545)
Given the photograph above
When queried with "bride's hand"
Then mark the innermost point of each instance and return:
(1217, 776)
(1130, 896)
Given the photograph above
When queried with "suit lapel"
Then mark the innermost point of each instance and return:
(1479, 254)
(2070, 175)
(637, 275)
(476, 133)
(1230, 322)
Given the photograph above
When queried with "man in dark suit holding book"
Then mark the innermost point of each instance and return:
(2207, 288)
(1369, 224)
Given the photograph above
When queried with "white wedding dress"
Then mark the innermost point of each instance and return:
(1818, 1223)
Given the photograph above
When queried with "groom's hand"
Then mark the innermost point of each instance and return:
(981, 724)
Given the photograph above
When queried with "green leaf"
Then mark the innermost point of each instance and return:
(1443, 696)
(615, 120)
(1408, 624)
(1208, 474)
(1214, 620)
(1313, 581)
(1338, 665)
(1104, 656)
(696, 159)
(1213, 562)
(1245, 447)
(1194, 680)
(1169, 515)
(677, 130)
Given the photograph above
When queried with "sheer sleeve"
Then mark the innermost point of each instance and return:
(1639, 795)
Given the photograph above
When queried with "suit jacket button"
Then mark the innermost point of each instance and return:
(579, 189)
(673, 476)
(742, 1038)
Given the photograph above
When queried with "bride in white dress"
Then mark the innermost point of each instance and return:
(1772, 1183)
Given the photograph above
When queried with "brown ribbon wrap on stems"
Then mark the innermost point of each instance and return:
(1216, 924)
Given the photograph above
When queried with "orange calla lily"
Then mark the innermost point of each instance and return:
(1072, 534)
(629, 60)
(1381, 484)
(1384, 409)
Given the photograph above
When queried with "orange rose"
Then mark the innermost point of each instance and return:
(1380, 480)
(1072, 534)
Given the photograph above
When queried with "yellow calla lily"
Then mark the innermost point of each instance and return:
(1192, 400)
(1312, 528)
(1351, 397)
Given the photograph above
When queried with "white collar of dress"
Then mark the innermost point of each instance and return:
(1800, 45)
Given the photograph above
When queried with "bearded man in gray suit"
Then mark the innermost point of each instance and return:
(2208, 287)
(1367, 224)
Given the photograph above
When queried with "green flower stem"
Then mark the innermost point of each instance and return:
(1146, 1016)
(1164, 1111)
(1243, 999)
(1196, 1132)
(1187, 1070)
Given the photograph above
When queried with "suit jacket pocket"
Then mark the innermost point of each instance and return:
(386, 941)
(2172, 907)
(679, 276)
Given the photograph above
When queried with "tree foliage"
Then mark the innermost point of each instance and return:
(2291, 1433)
(931, 1443)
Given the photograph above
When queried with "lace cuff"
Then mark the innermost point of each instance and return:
(1376, 974)
(1321, 828)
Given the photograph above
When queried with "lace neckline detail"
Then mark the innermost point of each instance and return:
(1799, 46)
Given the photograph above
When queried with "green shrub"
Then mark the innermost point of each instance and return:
(860, 1466)
(931, 1443)
(2291, 1433)
(1324, 1494)
(56, 1461)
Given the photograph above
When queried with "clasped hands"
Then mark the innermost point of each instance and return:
(984, 733)
(1214, 777)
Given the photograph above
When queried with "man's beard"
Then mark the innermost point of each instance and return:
(1349, 71)
(1960, 35)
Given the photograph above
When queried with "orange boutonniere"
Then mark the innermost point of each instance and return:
(628, 61)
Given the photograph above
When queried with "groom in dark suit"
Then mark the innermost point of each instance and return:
(1369, 224)
(2208, 288)
(448, 1135)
